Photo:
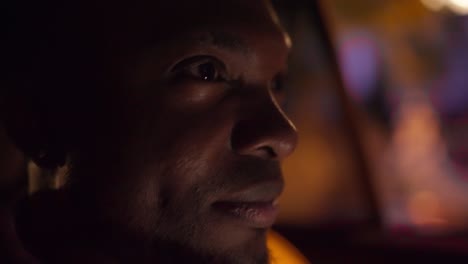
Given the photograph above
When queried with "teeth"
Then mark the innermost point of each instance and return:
(248, 211)
(254, 204)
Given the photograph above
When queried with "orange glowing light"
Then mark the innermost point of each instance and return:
(425, 210)
(457, 6)
(283, 252)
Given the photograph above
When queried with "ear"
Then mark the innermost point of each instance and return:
(30, 129)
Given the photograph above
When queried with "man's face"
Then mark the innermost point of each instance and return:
(194, 133)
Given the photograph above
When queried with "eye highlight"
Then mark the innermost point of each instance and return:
(201, 68)
(207, 71)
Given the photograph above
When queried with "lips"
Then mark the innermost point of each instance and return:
(255, 207)
(252, 214)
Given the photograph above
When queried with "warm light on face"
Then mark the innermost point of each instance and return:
(458, 6)
(288, 41)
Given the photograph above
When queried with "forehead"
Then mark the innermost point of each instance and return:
(162, 30)
(180, 14)
(149, 22)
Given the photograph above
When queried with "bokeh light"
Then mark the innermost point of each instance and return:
(458, 6)
(435, 5)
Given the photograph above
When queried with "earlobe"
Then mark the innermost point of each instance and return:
(26, 130)
(50, 157)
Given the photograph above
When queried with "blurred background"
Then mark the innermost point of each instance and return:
(377, 92)
(383, 151)
(405, 67)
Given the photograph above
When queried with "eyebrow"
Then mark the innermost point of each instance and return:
(222, 40)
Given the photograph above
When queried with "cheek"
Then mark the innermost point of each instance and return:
(189, 160)
(189, 147)
(131, 203)
(195, 96)
(186, 167)
(167, 153)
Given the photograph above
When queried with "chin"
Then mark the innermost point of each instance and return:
(251, 252)
(221, 245)
(251, 249)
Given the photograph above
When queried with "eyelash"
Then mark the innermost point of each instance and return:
(191, 68)
(201, 68)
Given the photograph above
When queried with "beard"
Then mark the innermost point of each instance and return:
(182, 233)
(177, 227)
(176, 252)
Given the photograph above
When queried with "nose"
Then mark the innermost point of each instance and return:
(265, 132)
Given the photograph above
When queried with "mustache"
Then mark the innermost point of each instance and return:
(244, 174)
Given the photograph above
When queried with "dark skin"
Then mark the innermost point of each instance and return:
(184, 166)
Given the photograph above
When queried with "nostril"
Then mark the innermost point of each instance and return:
(266, 135)
(268, 152)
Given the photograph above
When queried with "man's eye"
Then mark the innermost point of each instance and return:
(203, 68)
(206, 71)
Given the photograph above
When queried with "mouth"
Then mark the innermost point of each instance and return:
(255, 207)
(252, 214)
